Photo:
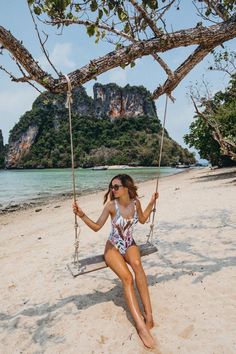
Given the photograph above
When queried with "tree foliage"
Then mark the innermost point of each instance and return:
(213, 133)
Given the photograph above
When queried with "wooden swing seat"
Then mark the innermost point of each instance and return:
(94, 263)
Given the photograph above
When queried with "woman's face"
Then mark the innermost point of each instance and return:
(117, 189)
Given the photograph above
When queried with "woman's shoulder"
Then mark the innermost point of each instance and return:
(110, 205)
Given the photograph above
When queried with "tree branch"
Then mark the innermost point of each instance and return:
(163, 65)
(145, 15)
(112, 30)
(206, 37)
(22, 79)
(103, 26)
(156, 31)
(21, 54)
(226, 144)
(180, 73)
(209, 37)
(165, 9)
(41, 42)
(216, 7)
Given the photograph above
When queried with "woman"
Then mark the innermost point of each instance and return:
(125, 211)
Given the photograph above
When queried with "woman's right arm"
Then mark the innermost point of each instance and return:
(95, 226)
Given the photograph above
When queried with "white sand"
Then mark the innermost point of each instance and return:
(192, 278)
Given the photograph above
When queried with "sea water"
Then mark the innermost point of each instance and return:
(29, 186)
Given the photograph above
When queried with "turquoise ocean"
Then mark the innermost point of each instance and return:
(19, 187)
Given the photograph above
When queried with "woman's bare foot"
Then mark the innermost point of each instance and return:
(149, 321)
(146, 337)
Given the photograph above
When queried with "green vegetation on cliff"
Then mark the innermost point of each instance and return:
(133, 140)
(98, 142)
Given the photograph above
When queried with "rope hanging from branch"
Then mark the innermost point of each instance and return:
(150, 235)
(68, 104)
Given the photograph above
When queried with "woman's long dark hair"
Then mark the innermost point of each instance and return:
(127, 182)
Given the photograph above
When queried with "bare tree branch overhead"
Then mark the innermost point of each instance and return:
(217, 9)
(134, 29)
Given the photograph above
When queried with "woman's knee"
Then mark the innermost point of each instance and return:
(136, 265)
(127, 278)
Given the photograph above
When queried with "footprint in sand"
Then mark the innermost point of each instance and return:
(187, 332)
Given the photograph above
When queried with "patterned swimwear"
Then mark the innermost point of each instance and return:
(121, 235)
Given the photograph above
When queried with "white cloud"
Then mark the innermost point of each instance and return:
(60, 57)
(13, 104)
(179, 117)
(118, 76)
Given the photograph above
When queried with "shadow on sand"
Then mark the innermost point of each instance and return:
(193, 263)
(46, 314)
(215, 176)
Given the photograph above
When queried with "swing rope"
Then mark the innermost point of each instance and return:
(150, 235)
(68, 104)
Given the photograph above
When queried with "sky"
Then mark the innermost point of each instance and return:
(73, 49)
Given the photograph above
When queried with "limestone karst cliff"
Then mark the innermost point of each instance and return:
(20, 147)
(117, 102)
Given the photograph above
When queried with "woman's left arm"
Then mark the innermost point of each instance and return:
(144, 215)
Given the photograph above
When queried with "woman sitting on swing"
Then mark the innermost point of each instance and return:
(125, 211)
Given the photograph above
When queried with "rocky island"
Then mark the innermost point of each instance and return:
(117, 126)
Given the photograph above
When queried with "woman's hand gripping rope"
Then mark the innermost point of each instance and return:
(77, 210)
(154, 197)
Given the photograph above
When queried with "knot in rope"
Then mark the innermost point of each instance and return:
(76, 244)
(69, 99)
(150, 235)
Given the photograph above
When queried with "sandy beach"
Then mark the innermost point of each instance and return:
(192, 277)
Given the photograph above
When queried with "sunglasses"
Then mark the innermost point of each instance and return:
(116, 187)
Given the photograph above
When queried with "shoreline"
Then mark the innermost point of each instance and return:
(60, 197)
(191, 278)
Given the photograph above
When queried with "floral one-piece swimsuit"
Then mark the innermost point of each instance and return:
(121, 235)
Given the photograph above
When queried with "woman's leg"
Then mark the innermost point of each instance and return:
(132, 256)
(116, 262)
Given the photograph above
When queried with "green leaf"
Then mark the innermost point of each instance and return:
(100, 14)
(37, 10)
(93, 5)
(152, 4)
(106, 11)
(123, 66)
(91, 30)
(77, 7)
(118, 46)
(70, 15)
(111, 5)
(127, 28)
(97, 36)
(121, 14)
